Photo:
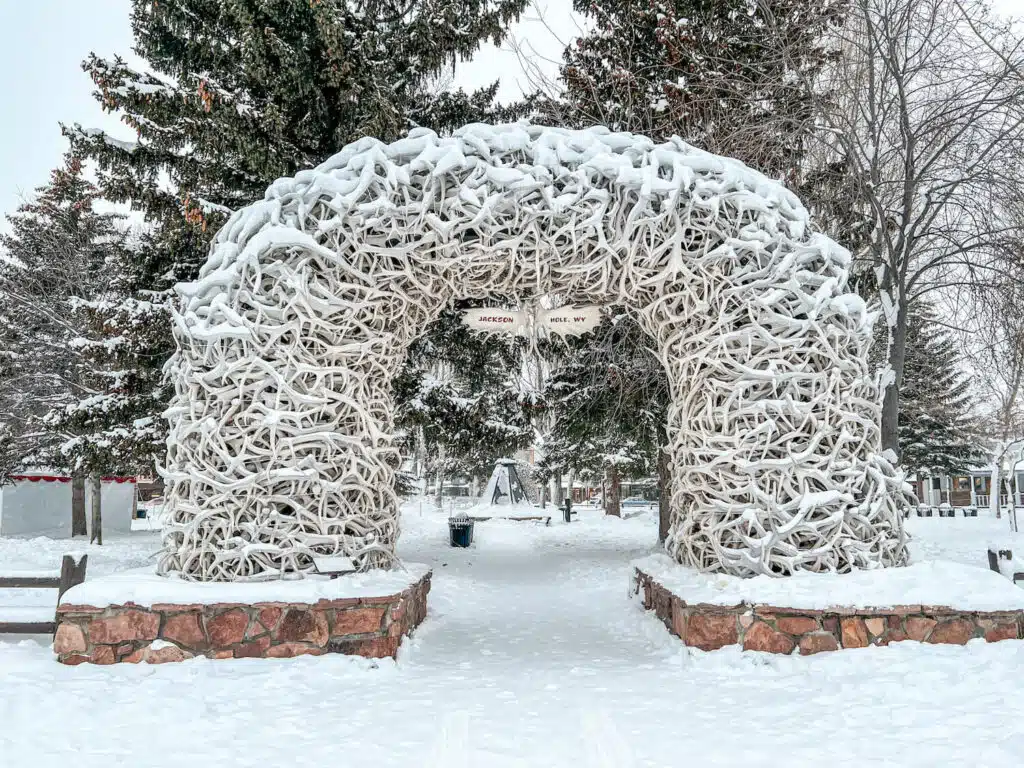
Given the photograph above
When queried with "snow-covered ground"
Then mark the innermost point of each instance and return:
(532, 655)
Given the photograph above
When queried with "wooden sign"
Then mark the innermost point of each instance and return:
(570, 321)
(563, 321)
(497, 321)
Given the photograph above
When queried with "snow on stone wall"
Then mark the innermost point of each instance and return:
(280, 444)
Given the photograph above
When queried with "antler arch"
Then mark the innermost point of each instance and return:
(280, 444)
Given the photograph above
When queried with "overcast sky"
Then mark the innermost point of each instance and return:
(43, 42)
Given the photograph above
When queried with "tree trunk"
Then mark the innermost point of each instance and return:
(993, 488)
(664, 494)
(570, 478)
(79, 524)
(438, 495)
(557, 497)
(891, 400)
(439, 490)
(96, 488)
(613, 506)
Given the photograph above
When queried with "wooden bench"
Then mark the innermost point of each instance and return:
(994, 556)
(517, 518)
(71, 574)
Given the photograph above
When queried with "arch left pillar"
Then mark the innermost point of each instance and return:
(281, 443)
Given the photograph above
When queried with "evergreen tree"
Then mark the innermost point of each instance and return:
(59, 263)
(458, 398)
(728, 76)
(608, 396)
(243, 92)
(935, 408)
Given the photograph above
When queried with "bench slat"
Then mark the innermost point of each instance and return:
(28, 627)
(29, 582)
(72, 573)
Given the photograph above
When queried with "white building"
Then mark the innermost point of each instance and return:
(39, 504)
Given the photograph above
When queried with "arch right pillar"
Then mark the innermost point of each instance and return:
(773, 425)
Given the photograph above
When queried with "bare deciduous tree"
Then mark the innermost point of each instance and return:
(925, 107)
(998, 356)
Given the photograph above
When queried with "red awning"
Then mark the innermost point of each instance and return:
(64, 479)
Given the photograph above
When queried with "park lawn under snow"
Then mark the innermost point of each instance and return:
(533, 654)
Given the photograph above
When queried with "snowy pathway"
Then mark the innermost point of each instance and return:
(533, 597)
(532, 656)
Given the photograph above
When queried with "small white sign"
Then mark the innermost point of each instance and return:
(497, 321)
(333, 564)
(564, 321)
(570, 321)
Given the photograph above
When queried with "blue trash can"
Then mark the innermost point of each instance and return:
(460, 531)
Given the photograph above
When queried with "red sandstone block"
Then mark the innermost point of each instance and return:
(227, 628)
(939, 611)
(167, 654)
(711, 608)
(329, 605)
(710, 632)
(358, 621)
(290, 650)
(67, 608)
(254, 650)
(876, 626)
(168, 608)
(375, 647)
(184, 629)
(817, 642)
(953, 632)
(102, 654)
(854, 633)
(797, 625)
(384, 600)
(679, 619)
(903, 610)
(69, 639)
(919, 627)
(122, 625)
(303, 625)
(1001, 632)
(74, 660)
(401, 613)
(771, 612)
(269, 616)
(761, 637)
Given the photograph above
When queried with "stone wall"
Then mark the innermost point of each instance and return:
(777, 629)
(366, 626)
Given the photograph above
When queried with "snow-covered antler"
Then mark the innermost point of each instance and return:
(280, 444)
